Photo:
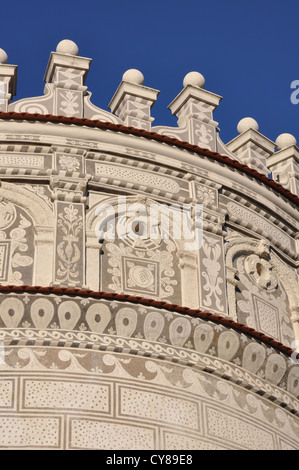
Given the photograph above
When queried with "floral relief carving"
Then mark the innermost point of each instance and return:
(41, 191)
(69, 163)
(205, 194)
(70, 223)
(262, 300)
(203, 133)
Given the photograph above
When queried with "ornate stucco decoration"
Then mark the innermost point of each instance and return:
(263, 288)
(148, 274)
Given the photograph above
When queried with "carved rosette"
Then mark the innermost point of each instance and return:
(263, 291)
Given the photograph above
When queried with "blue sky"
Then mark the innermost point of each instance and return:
(247, 51)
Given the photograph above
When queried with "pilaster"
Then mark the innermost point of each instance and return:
(8, 81)
(194, 108)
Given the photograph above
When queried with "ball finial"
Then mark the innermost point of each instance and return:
(3, 57)
(194, 79)
(247, 123)
(285, 140)
(133, 76)
(67, 47)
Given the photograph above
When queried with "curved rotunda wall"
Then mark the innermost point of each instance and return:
(248, 245)
(100, 373)
(143, 342)
(119, 374)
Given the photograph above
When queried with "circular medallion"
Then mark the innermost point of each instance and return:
(142, 276)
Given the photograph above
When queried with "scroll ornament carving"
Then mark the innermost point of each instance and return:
(13, 243)
(134, 328)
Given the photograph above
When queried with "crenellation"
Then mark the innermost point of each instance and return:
(251, 147)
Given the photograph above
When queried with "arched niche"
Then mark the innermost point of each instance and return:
(147, 263)
(27, 238)
(262, 289)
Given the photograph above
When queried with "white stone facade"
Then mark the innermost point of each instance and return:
(143, 342)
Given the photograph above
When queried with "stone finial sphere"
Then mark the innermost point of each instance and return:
(3, 57)
(194, 79)
(247, 123)
(133, 76)
(67, 47)
(285, 140)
